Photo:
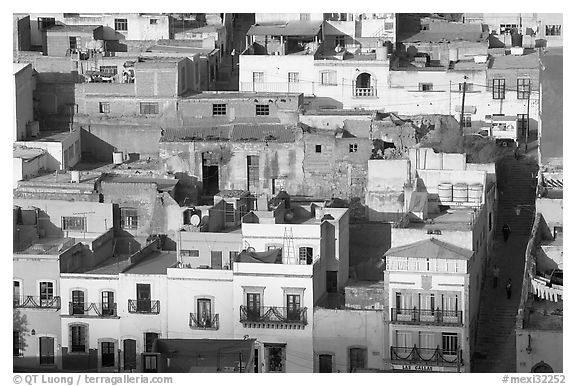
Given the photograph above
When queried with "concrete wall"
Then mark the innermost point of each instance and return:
(336, 331)
(62, 154)
(139, 27)
(547, 346)
(551, 209)
(205, 243)
(21, 32)
(23, 169)
(24, 85)
(386, 180)
(58, 42)
(98, 216)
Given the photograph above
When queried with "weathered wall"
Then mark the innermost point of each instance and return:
(551, 209)
(385, 188)
(58, 42)
(21, 32)
(24, 85)
(547, 346)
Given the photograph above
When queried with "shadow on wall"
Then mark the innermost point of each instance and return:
(188, 189)
(322, 103)
(94, 148)
(54, 99)
(80, 361)
(368, 243)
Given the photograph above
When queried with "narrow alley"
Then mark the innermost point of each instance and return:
(496, 347)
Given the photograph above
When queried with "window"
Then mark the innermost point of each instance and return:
(253, 306)
(148, 108)
(426, 341)
(216, 259)
(46, 292)
(506, 29)
(45, 22)
(353, 148)
(104, 107)
(404, 341)
(498, 88)
(204, 312)
(17, 343)
(219, 109)
(450, 303)
(150, 363)
(425, 86)
(449, 343)
(340, 41)
(490, 221)
(305, 255)
(233, 257)
(108, 306)
(427, 302)
(275, 355)
(129, 218)
(522, 122)
(121, 24)
(467, 122)
(78, 338)
(189, 253)
(328, 78)
(17, 292)
(143, 298)
(553, 30)
(73, 42)
(258, 77)
(357, 359)
(73, 223)
(262, 110)
(403, 302)
(469, 87)
(149, 339)
(523, 88)
(293, 77)
(318, 148)
(108, 354)
(293, 307)
(253, 170)
(109, 70)
(77, 302)
(153, 21)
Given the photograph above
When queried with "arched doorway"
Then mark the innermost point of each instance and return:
(542, 367)
(364, 85)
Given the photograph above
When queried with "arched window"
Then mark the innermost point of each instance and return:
(542, 367)
(364, 85)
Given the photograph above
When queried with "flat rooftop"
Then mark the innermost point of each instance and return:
(240, 95)
(48, 136)
(453, 219)
(528, 61)
(156, 263)
(27, 153)
(545, 315)
(48, 246)
(73, 28)
(290, 28)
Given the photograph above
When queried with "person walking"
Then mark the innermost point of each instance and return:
(506, 232)
(509, 289)
(495, 275)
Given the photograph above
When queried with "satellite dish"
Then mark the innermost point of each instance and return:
(250, 249)
(195, 220)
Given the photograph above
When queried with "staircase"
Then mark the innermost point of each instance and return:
(495, 350)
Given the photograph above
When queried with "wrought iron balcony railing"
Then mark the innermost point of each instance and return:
(102, 310)
(426, 356)
(418, 315)
(138, 306)
(204, 321)
(364, 91)
(36, 302)
(271, 314)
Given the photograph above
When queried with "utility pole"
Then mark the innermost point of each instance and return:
(527, 121)
(463, 98)
(450, 99)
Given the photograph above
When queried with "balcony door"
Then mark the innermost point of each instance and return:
(77, 302)
(46, 293)
(46, 350)
(204, 310)
(403, 342)
(253, 306)
(293, 307)
(216, 259)
(143, 298)
(107, 303)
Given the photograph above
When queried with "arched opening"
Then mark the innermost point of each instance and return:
(364, 85)
(542, 367)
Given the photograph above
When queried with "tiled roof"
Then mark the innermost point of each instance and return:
(430, 248)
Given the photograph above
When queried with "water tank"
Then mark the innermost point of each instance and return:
(475, 192)
(460, 193)
(74, 176)
(445, 192)
(117, 157)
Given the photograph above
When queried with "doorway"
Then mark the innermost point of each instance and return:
(129, 354)
(331, 281)
(210, 179)
(46, 350)
(108, 357)
(325, 363)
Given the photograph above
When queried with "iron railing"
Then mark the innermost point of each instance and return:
(204, 321)
(138, 306)
(36, 302)
(364, 91)
(419, 315)
(92, 309)
(271, 314)
(426, 356)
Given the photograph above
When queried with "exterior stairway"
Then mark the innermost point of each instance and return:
(495, 350)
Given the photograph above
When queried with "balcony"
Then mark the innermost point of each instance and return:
(92, 310)
(425, 316)
(273, 317)
(143, 306)
(37, 302)
(364, 92)
(426, 358)
(204, 322)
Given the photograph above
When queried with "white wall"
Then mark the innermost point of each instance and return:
(546, 346)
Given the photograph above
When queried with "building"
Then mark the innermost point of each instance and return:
(539, 322)
(24, 85)
(66, 40)
(533, 29)
(51, 236)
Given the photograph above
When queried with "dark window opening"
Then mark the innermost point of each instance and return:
(219, 109)
(149, 339)
(318, 148)
(121, 24)
(262, 110)
(108, 359)
(78, 343)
